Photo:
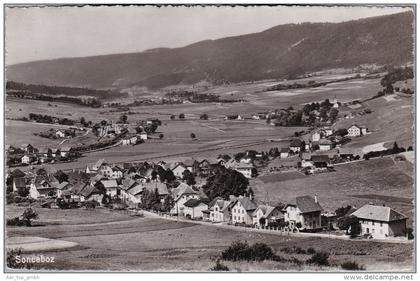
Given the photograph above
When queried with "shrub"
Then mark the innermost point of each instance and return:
(320, 258)
(12, 262)
(237, 251)
(29, 215)
(352, 265)
(219, 267)
(311, 251)
(16, 221)
(260, 252)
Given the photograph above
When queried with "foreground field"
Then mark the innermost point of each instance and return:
(149, 244)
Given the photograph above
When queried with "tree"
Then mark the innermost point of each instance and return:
(172, 117)
(204, 116)
(168, 203)
(349, 222)
(181, 116)
(323, 114)
(83, 121)
(29, 215)
(123, 119)
(161, 136)
(341, 132)
(333, 114)
(192, 135)
(342, 211)
(139, 129)
(225, 182)
(61, 176)
(104, 122)
(188, 177)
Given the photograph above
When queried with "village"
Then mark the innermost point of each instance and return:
(190, 190)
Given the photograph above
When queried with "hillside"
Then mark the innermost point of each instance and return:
(282, 51)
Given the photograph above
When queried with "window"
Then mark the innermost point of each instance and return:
(380, 225)
(373, 223)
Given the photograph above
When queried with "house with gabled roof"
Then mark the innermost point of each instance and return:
(219, 210)
(265, 214)
(381, 221)
(61, 187)
(242, 210)
(194, 208)
(356, 130)
(19, 183)
(42, 188)
(111, 186)
(304, 210)
(178, 170)
(295, 145)
(181, 194)
(95, 167)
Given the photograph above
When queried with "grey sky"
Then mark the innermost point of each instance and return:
(54, 32)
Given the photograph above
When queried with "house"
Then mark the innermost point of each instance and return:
(117, 172)
(219, 210)
(133, 195)
(112, 188)
(182, 194)
(178, 170)
(325, 145)
(26, 159)
(130, 139)
(320, 161)
(143, 136)
(90, 193)
(242, 210)
(247, 170)
(95, 167)
(295, 145)
(265, 214)
(159, 186)
(381, 221)
(316, 136)
(328, 131)
(106, 170)
(64, 186)
(66, 151)
(194, 208)
(29, 149)
(44, 153)
(284, 152)
(303, 210)
(41, 188)
(19, 184)
(60, 134)
(355, 131)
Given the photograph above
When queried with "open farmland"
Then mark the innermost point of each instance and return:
(151, 244)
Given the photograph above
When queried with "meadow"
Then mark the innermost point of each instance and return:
(154, 244)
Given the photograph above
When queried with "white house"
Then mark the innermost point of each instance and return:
(355, 131)
(26, 159)
(244, 169)
(242, 210)
(316, 136)
(194, 208)
(296, 145)
(219, 210)
(325, 145)
(304, 210)
(328, 131)
(182, 194)
(265, 214)
(381, 221)
(143, 136)
(178, 170)
(284, 152)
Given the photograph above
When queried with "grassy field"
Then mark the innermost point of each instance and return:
(149, 244)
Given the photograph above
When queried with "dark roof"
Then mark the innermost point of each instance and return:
(284, 149)
(320, 158)
(378, 213)
(296, 143)
(192, 203)
(246, 203)
(306, 204)
(16, 173)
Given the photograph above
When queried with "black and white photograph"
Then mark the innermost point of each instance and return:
(210, 138)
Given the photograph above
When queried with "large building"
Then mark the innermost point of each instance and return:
(380, 221)
(303, 210)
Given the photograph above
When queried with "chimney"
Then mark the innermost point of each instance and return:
(316, 198)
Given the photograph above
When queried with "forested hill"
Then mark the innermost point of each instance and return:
(279, 52)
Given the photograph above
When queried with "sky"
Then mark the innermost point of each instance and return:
(54, 32)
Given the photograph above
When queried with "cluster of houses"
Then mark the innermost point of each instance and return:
(31, 155)
(128, 185)
(130, 136)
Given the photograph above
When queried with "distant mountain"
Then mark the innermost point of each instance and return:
(282, 51)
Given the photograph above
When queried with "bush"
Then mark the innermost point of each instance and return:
(320, 259)
(352, 265)
(16, 221)
(219, 267)
(311, 251)
(241, 251)
(12, 262)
